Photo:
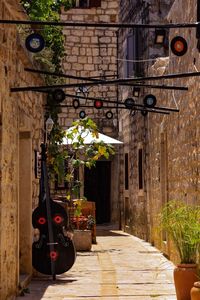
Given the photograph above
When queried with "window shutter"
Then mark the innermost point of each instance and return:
(130, 55)
(95, 3)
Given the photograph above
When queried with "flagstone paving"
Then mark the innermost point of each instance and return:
(119, 267)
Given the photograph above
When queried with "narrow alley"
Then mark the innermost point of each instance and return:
(119, 267)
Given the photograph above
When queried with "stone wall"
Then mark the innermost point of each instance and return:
(21, 123)
(91, 52)
(170, 143)
(133, 126)
(174, 140)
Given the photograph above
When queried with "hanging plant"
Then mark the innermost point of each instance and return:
(50, 60)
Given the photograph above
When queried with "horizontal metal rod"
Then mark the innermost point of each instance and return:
(103, 25)
(153, 86)
(183, 88)
(116, 107)
(97, 78)
(89, 98)
(107, 82)
(119, 102)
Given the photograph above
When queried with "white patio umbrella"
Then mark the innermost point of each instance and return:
(89, 138)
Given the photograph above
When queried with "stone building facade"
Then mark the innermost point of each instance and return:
(174, 146)
(21, 132)
(137, 53)
(91, 52)
(162, 151)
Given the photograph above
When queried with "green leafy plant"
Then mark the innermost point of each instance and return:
(50, 60)
(82, 154)
(49, 10)
(181, 222)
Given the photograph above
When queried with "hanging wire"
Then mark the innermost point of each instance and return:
(142, 60)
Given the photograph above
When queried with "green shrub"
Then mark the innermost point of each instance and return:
(182, 223)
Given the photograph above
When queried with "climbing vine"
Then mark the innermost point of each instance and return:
(50, 59)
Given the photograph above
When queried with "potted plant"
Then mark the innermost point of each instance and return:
(82, 226)
(181, 223)
(79, 155)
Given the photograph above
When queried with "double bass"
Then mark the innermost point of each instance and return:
(53, 253)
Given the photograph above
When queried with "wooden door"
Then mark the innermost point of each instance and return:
(97, 183)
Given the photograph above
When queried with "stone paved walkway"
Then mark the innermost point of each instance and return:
(119, 267)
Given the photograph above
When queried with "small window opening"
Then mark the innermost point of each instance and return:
(126, 172)
(140, 168)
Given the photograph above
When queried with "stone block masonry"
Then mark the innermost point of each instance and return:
(21, 132)
(91, 52)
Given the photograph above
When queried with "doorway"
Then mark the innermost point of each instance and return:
(25, 204)
(97, 184)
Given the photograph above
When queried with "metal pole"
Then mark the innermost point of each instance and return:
(56, 74)
(113, 81)
(119, 103)
(169, 87)
(122, 107)
(103, 25)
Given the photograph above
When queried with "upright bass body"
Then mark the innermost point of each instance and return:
(63, 254)
(53, 253)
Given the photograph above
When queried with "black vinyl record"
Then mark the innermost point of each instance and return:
(149, 100)
(179, 46)
(58, 95)
(109, 114)
(129, 103)
(82, 114)
(98, 104)
(76, 103)
(144, 112)
(35, 42)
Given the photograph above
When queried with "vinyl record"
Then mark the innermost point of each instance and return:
(76, 103)
(82, 114)
(144, 112)
(98, 104)
(35, 42)
(58, 95)
(179, 46)
(129, 103)
(149, 101)
(109, 114)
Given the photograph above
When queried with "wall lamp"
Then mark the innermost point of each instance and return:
(160, 35)
(48, 127)
(136, 92)
(49, 124)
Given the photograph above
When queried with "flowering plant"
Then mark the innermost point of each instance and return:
(80, 221)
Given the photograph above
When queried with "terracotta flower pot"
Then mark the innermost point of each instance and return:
(195, 291)
(184, 277)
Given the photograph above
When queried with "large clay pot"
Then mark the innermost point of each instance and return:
(195, 291)
(82, 240)
(184, 277)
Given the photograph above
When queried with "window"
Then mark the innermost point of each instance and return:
(133, 53)
(88, 3)
(126, 171)
(140, 168)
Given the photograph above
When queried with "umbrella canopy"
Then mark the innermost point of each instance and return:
(89, 138)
